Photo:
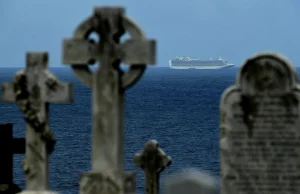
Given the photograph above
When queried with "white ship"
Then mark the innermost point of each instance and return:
(188, 63)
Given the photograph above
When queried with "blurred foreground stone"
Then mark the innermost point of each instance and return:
(191, 181)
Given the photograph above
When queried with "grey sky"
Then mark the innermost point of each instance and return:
(233, 29)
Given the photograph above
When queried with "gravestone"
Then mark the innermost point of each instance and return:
(152, 160)
(260, 129)
(190, 181)
(33, 89)
(8, 147)
(108, 84)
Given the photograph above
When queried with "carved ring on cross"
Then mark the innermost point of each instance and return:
(144, 51)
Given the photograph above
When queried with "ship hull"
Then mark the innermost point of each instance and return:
(194, 66)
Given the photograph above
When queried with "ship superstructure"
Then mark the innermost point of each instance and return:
(188, 63)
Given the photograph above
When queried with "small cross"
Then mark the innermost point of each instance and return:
(33, 89)
(8, 147)
(152, 160)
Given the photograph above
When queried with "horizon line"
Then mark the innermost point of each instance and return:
(70, 66)
(148, 66)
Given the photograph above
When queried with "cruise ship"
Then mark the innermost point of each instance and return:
(188, 63)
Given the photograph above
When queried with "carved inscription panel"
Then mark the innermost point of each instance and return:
(260, 131)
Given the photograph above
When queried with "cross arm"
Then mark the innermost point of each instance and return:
(133, 51)
(78, 51)
(8, 94)
(57, 91)
(138, 51)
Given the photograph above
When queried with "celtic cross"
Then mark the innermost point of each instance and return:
(108, 84)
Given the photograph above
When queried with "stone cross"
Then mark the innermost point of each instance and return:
(33, 89)
(8, 147)
(190, 181)
(260, 129)
(152, 160)
(108, 84)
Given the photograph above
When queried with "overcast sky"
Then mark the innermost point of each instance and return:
(233, 29)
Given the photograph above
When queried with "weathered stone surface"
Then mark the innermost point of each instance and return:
(95, 182)
(139, 51)
(92, 183)
(78, 51)
(260, 129)
(129, 182)
(152, 160)
(133, 51)
(32, 89)
(191, 181)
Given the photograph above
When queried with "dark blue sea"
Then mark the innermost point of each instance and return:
(178, 108)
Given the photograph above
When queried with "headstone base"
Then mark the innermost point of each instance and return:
(96, 182)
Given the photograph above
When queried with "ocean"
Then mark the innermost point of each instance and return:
(178, 108)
